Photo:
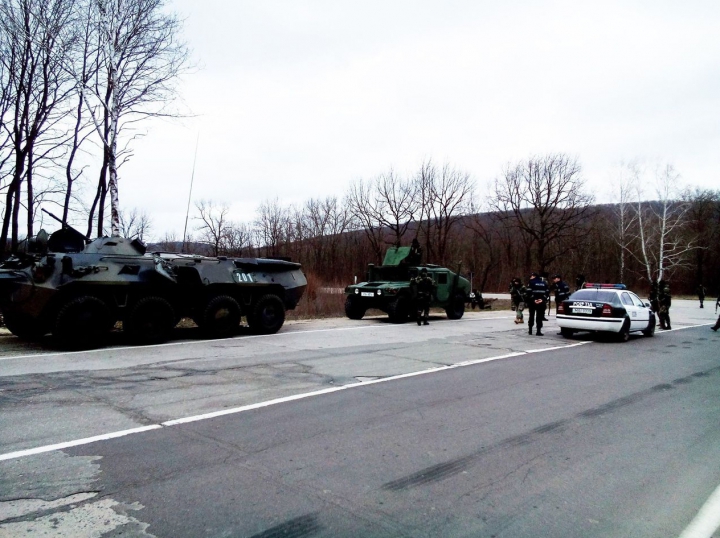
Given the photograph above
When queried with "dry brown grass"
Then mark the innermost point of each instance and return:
(320, 300)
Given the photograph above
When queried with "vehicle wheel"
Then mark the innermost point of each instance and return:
(353, 308)
(456, 308)
(82, 323)
(221, 317)
(624, 334)
(398, 310)
(268, 315)
(650, 331)
(150, 321)
(567, 333)
(24, 326)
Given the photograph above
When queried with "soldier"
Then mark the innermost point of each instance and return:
(664, 300)
(701, 291)
(415, 253)
(717, 323)
(517, 298)
(579, 282)
(538, 292)
(653, 297)
(562, 291)
(423, 290)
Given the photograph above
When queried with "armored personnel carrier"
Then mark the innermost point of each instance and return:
(388, 288)
(79, 291)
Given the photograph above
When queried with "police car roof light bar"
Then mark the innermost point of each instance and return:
(605, 286)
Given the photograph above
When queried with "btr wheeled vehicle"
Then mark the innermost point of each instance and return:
(79, 291)
(389, 288)
(608, 308)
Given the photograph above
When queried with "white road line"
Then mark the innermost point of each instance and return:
(168, 423)
(708, 519)
(191, 342)
(76, 442)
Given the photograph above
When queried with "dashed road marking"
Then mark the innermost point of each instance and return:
(268, 403)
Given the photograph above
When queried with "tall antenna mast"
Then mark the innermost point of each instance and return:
(192, 179)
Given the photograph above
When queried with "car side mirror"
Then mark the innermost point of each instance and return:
(647, 304)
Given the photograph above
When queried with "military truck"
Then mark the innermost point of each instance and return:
(79, 291)
(388, 288)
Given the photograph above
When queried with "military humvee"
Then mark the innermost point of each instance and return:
(79, 291)
(388, 289)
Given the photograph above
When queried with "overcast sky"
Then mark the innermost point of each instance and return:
(295, 99)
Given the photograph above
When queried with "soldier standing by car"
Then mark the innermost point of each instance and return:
(664, 300)
(539, 292)
(517, 298)
(423, 289)
(701, 291)
(653, 297)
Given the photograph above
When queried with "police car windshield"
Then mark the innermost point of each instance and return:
(602, 296)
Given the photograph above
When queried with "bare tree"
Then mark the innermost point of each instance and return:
(703, 219)
(544, 198)
(448, 196)
(36, 36)
(366, 214)
(399, 203)
(214, 224)
(271, 226)
(135, 225)
(139, 59)
(384, 204)
(663, 245)
(169, 243)
(326, 219)
(485, 246)
(237, 240)
(625, 216)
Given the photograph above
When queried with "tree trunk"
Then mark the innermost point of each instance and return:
(30, 194)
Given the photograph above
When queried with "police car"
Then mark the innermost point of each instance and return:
(605, 308)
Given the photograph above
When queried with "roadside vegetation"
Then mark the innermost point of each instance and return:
(79, 77)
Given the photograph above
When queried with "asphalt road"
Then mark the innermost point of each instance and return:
(341, 428)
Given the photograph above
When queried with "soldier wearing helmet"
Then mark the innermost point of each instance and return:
(423, 290)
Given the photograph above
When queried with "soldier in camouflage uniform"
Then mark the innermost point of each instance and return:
(664, 300)
(717, 323)
(423, 288)
(517, 298)
(701, 291)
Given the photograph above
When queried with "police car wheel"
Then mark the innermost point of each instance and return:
(567, 333)
(624, 334)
